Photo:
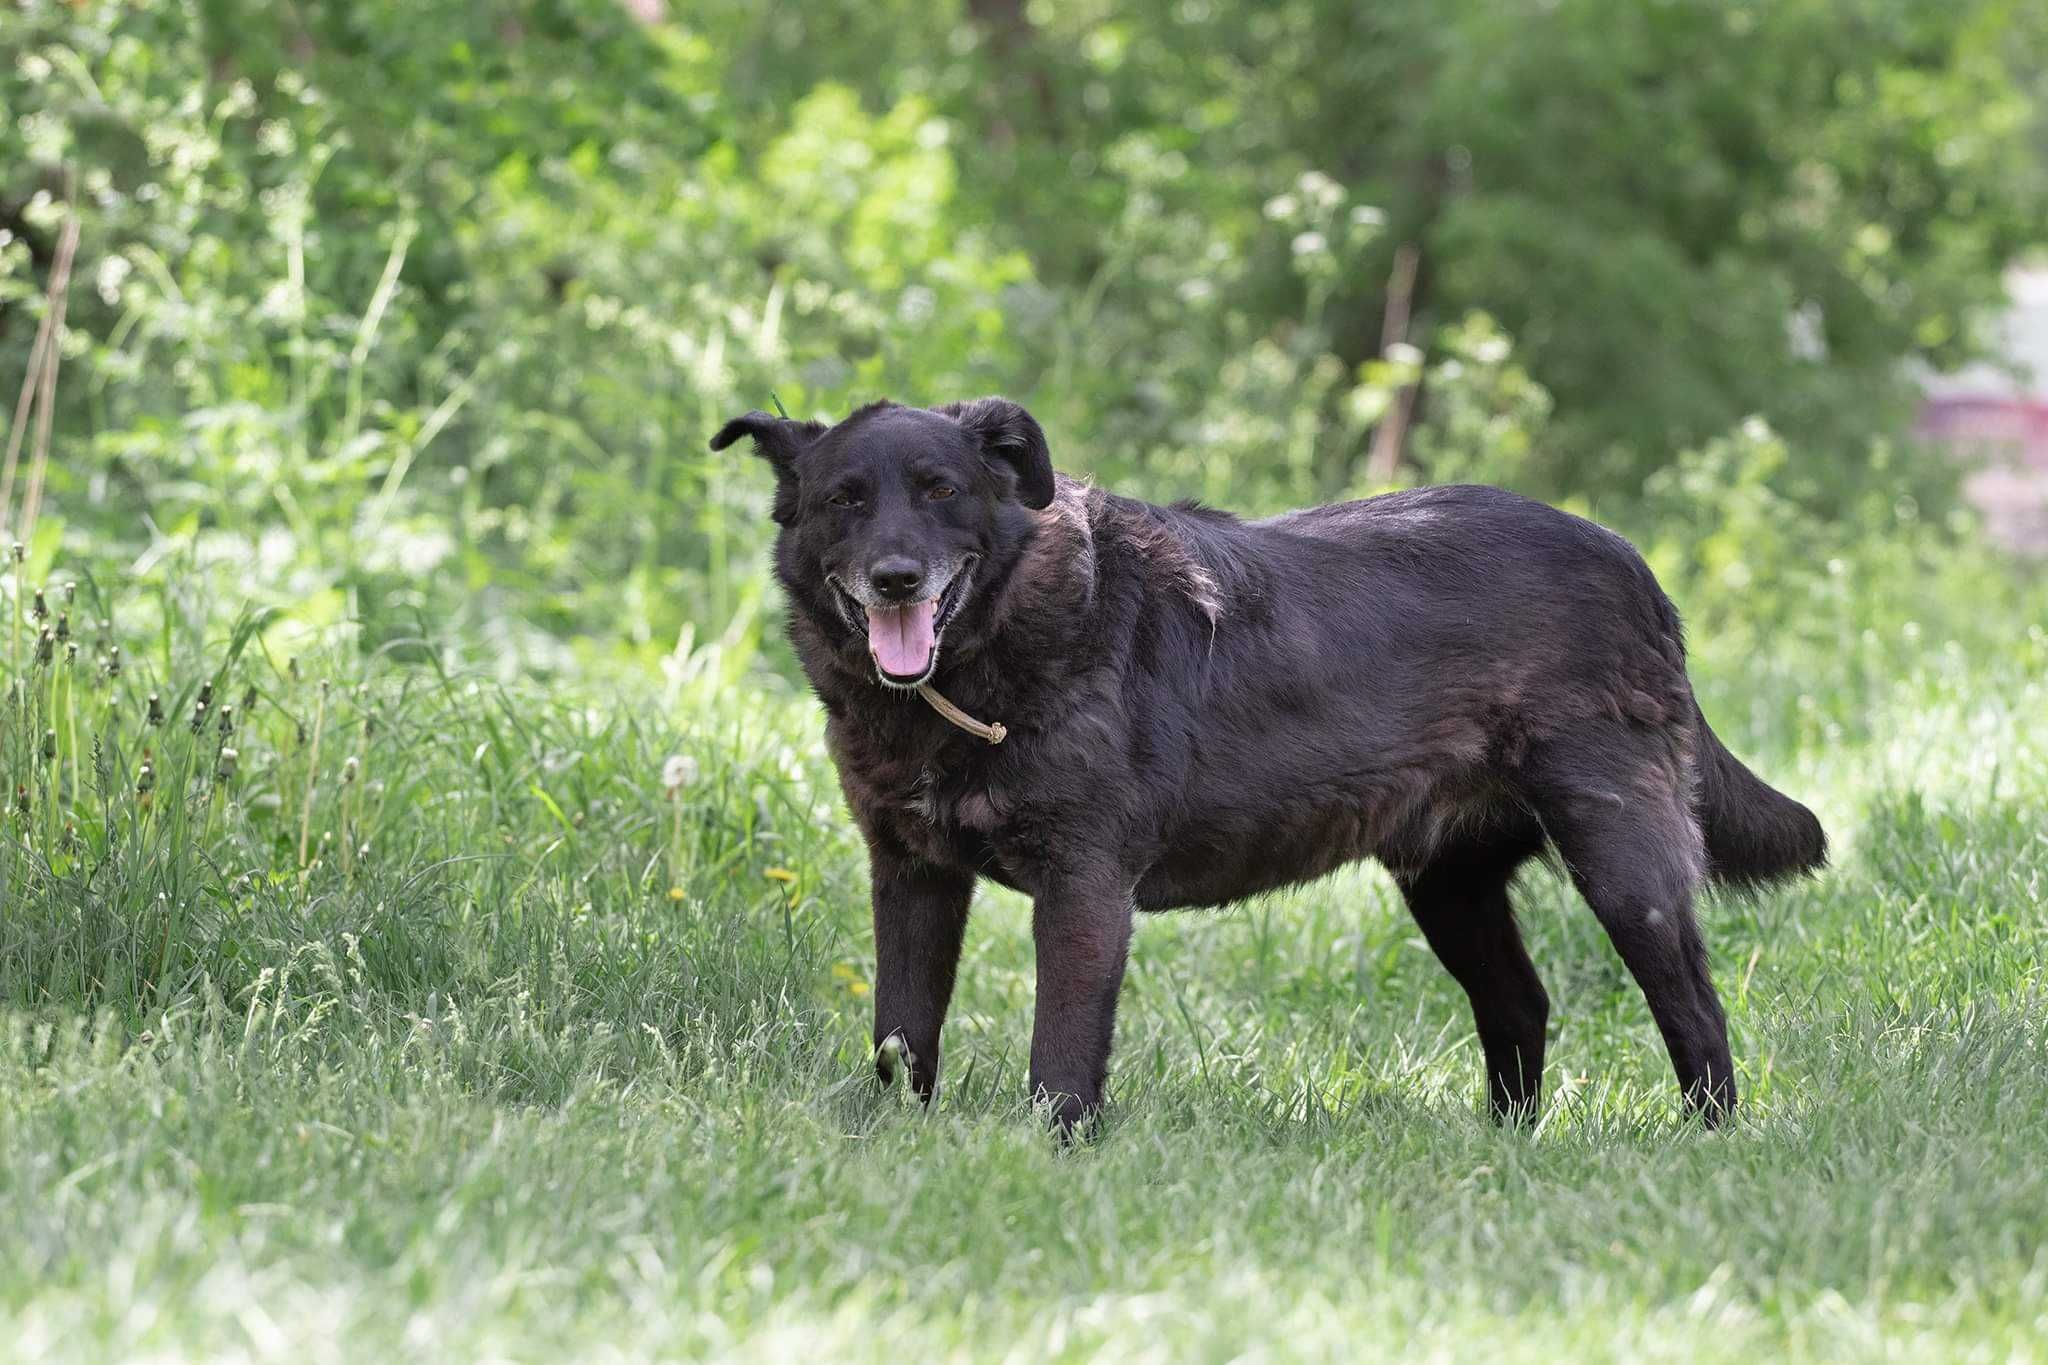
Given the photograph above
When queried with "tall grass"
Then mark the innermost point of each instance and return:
(194, 830)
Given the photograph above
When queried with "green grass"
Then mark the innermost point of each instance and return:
(564, 1067)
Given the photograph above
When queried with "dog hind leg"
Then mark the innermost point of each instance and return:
(1616, 804)
(1460, 901)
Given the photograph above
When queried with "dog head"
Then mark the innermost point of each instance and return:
(897, 522)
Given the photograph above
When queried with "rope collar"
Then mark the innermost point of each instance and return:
(994, 732)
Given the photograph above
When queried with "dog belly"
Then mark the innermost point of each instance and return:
(1217, 870)
(1213, 862)
(1217, 861)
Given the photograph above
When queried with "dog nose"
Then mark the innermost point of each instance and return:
(898, 576)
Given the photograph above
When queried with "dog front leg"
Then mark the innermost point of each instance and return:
(1082, 932)
(920, 919)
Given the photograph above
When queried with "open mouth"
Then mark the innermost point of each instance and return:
(903, 639)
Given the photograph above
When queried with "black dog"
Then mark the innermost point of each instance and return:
(1190, 709)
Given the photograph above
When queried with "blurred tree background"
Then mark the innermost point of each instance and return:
(418, 314)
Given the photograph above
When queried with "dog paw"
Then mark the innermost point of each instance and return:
(891, 1057)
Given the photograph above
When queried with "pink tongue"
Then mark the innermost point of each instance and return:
(902, 637)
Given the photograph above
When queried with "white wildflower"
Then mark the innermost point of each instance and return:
(680, 771)
(1321, 191)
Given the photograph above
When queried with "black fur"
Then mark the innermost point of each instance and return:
(1449, 680)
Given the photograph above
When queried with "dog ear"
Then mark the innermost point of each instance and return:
(1010, 434)
(778, 440)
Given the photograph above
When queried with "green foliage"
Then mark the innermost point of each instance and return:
(1646, 196)
(452, 337)
(421, 312)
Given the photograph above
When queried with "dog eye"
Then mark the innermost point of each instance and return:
(843, 499)
(939, 492)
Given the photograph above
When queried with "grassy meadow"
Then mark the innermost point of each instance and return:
(433, 1024)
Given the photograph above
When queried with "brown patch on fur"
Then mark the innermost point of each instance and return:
(1169, 555)
(1057, 571)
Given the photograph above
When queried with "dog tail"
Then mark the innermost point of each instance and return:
(1755, 833)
